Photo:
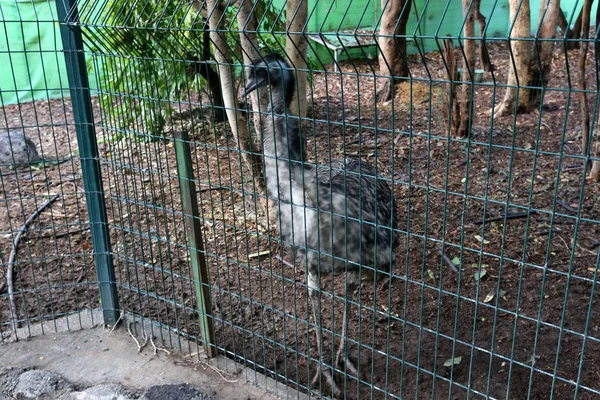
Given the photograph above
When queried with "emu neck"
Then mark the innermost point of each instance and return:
(282, 147)
(280, 101)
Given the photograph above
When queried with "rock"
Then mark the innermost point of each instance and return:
(9, 377)
(16, 148)
(102, 392)
(183, 391)
(36, 384)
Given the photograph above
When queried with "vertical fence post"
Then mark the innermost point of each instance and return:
(189, 201)
(88, 152)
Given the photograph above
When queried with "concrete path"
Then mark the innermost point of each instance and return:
(74, 362)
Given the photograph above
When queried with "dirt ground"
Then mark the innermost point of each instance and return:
(527, 326)
(92, 355)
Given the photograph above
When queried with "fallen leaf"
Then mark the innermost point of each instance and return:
(482, 239)
(479, 274)
(430, 273)
(456, 261)
(452, 361)
(259, 254)
(489, 297)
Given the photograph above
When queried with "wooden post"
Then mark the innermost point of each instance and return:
(189, 201)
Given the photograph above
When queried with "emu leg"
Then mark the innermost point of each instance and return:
(342, 353)
(315, 299)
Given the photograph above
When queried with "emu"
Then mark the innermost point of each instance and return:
(339, 218)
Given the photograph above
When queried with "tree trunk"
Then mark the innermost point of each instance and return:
(237, 121)
(548, 20)
(468, 73)
(520, 72)
(525, 72)
(295, 49)
(585, 109)
(453, 108)
(575, 33)
(484, 57)
(200, 66)
(595, 170)
(392, 56)
(569, 33)
(248, 27)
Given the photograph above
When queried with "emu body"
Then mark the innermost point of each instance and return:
(338, 218)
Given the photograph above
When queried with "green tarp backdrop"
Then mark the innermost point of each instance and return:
(32, 69)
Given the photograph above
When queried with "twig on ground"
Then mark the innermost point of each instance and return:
(507, 217)
(13, 255)
(209, 188)
(448, 261)
(59, 235)
(218, 371)
(121, 316)
(566, 206)
(285, 262)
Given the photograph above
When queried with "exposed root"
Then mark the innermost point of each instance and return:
(157, 349)
(13, 256)
(139, 345)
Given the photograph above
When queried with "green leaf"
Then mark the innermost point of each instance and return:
(456, 261)
(452, 361)
(430, 273)
(479, 274)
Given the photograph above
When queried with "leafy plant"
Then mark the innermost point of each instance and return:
(151, 56)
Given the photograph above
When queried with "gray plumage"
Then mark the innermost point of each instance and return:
(16, 148)
(342, 210)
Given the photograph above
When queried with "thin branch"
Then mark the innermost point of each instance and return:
(566, 206)
(13, 255)
(218, 371)
(448, 261)
(284, 262)
(507, 217)
(121, 316)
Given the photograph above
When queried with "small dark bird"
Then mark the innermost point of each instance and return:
(339, 218)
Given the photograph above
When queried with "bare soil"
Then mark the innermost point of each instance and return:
(527, 326)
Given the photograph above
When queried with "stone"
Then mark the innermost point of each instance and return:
(9, 377)
(16, 149)
(109, 391)
(183, 391)
(36, 384)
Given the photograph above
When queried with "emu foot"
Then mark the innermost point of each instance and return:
(322, 372)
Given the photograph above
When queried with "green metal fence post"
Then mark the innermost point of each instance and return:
(88, 153)
(189, 201)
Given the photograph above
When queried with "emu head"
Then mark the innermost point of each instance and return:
(272, 70)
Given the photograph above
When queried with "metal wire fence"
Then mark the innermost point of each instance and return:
(490, 288)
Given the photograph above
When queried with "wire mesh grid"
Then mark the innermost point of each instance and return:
(507, 206)
(45, 252)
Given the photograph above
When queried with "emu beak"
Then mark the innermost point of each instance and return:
(254, 84)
